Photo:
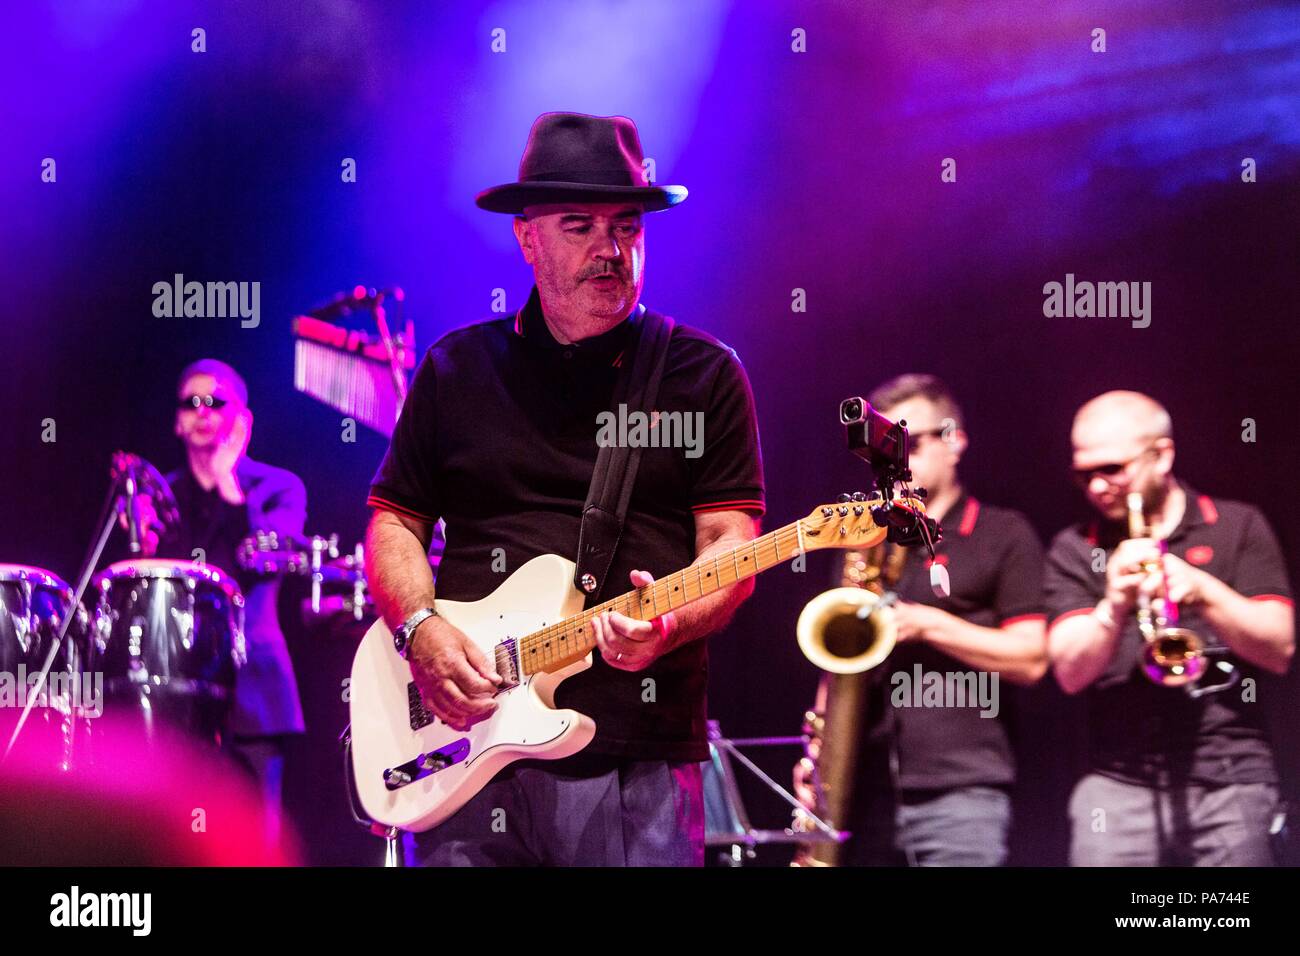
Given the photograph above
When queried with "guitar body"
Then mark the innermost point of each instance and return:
(525, 724)
(413, 771)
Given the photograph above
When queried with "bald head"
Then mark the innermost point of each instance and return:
(1123, 442)
(1122, 416)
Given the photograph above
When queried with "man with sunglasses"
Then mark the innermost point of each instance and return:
(933, 782)
(222, 496)
(1176, 776)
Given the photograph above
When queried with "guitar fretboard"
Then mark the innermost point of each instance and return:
(561, 644)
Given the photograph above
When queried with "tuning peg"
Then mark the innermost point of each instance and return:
(843, 498)
(859, 496)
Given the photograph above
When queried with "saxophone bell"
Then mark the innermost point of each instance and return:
(847, 630)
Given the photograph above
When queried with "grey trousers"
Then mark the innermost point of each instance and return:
(599, 813)
(964, 826)
(1123, 824)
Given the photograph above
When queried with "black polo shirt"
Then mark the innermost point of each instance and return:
(209, 522)
(1157, 736)
(499, 438)
(995, 568)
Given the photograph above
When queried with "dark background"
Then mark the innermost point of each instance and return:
(816, 170)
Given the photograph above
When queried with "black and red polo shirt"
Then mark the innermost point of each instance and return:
(499, 438)
(1158, 736)
(995, 568)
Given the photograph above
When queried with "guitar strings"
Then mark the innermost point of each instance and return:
(538, 645)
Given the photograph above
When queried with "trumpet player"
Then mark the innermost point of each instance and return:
(1180, 767)
(932, 785)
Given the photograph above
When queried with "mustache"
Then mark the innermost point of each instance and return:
(593, 273)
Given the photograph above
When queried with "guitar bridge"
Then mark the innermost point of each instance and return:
(507, 664)
(426, 764)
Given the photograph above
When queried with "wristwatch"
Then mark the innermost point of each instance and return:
(405, 630)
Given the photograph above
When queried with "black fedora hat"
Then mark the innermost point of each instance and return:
(572, 157)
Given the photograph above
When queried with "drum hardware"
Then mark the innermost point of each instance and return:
(320, 547)
(317, 558)
(353, 567)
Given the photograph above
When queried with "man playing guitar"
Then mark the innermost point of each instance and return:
(499, 438)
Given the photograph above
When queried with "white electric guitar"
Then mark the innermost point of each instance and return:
(413, 771)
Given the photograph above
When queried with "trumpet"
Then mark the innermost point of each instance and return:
(845, 631)
(1171, 656)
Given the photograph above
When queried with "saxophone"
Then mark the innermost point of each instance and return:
(845, 631)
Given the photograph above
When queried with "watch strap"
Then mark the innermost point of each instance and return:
(405, 630)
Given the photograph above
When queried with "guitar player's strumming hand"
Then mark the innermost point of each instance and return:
(457, 682)
(629, 644)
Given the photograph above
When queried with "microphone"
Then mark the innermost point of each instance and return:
(124, 470)
(137, 477)
(132, 521)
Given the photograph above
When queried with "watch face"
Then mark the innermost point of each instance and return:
(401, 637)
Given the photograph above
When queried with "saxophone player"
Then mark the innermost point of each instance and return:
(1177, 775)
(932, 781)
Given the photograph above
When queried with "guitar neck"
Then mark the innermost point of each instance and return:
(572, 639)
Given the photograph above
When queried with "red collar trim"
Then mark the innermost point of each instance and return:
(970, 514)
(1208, 511)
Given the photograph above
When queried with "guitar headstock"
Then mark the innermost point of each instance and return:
(845, 524)
(850, 522)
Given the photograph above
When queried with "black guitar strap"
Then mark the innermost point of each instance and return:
(608, 497)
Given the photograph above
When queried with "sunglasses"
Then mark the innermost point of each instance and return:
(194, 401)
(1083, 477)
(914, 439)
